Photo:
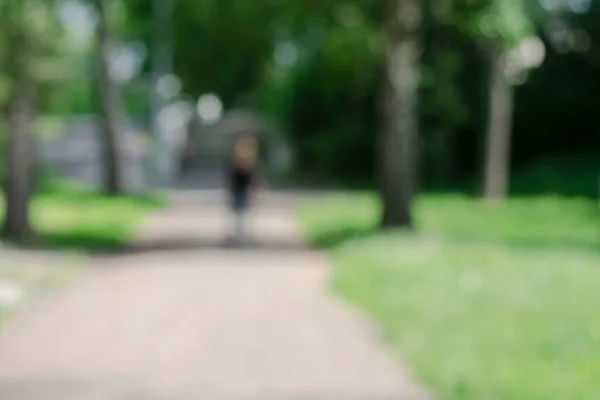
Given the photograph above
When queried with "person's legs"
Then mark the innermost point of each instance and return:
(240, 216)
(239, 225)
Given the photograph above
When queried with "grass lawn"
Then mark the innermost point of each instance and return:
(67, 216)
(485, 302)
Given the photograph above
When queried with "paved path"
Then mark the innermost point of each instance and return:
(182, 316)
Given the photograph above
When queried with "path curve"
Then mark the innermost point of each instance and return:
(182, 316)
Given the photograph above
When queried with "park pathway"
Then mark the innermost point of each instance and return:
(183, 316)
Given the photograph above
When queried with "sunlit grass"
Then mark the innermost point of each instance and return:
(542, 221)
(67, 216)
(484, 302)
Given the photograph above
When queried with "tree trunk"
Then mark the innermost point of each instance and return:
(162, 65)
(398, 145)
(110, 102)
(19, 158)
(497, 155)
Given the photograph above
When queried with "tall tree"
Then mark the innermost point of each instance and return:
(19, 159)
(499, 127)
(398, 145)
(503, 24)
(110, 102)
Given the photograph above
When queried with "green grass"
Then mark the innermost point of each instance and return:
(485, 302)
(69, 217)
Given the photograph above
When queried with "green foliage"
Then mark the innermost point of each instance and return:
(502, 21)
(486, 302)
(332, 123)
(5, 88)
(37, 21)
(72, 98)
(326, 102)
(3, 148)
(222, 47)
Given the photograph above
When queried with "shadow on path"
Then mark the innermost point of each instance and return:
(177, 245)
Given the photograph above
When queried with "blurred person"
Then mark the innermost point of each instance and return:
(242, 181)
